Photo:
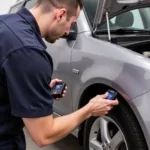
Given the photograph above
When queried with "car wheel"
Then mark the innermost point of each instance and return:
(117, 131)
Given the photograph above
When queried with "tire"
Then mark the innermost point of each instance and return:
(100, 132)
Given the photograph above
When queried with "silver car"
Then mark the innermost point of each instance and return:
(108, 48)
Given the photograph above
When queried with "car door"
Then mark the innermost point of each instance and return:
(61, 55)
(60, 52)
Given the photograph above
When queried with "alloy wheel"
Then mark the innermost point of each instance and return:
(105, 134)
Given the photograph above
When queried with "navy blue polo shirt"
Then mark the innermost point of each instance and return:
(25, 75)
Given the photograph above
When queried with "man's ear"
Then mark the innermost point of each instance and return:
(61, 13)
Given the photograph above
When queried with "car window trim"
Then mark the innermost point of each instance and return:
(16, 4)
(88, 20)
(19, 2)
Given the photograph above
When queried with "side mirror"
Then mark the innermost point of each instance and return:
(72, 34)
(128, 1)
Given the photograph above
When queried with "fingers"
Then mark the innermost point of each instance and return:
(101, 114)
(105, 112)
(109, 108)
(113, 102)
(54, 81)
(101, 106)
(64, 92)
(58, 80)
(104, 96)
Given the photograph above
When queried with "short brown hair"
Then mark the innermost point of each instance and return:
(70, 5)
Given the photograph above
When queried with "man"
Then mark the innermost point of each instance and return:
(25, 76)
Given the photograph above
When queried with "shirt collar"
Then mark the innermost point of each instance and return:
(25, 14)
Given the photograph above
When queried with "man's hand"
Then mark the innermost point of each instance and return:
(100, 106)
(52, 84)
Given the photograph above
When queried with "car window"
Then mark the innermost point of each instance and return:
(138, 22)
(134, 19)
(90, 7)
(30, 4)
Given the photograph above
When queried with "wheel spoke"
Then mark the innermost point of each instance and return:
(95, 145)
(104, 130)
(116, 140)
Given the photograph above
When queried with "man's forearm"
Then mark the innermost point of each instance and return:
(64, 125)
(47, 130)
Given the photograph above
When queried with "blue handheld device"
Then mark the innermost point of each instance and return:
(58, 89)
(111, 95)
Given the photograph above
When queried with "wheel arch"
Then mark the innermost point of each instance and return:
(100, 88)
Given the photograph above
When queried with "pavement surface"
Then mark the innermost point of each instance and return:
(68, 143)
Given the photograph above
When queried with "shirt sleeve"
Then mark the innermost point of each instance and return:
(28, 75)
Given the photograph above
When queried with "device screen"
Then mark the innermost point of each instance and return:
(111, 95)
(58, 87)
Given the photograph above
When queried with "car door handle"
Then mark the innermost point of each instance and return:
(76, 71)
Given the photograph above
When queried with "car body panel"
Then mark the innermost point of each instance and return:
(109, 64)
(140, 105)
(61, 54)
